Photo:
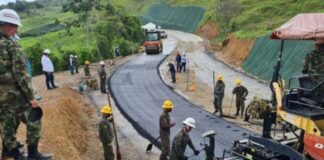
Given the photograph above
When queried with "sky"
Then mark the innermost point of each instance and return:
(6, 1)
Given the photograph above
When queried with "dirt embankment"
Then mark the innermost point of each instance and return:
(68, 126)
(232, 50)
(236, 51)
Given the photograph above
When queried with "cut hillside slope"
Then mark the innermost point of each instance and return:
(183, 18)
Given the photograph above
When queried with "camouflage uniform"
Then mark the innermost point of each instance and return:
(87, 70)
(106, 137)
(15, 94)
(75, 65)
(102, 75)
(241, 93)
(314, 62)
(179, 144)
(257, 107)
(165, 135)
(219, 90)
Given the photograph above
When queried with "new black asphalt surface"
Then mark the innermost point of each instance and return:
(139, 93)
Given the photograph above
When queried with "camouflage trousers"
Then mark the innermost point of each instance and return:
(165, 145)
(9, 123)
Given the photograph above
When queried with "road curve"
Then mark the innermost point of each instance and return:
(139, 93)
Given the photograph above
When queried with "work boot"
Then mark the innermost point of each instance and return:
(16, 154)
(33, 154)
(5, 151)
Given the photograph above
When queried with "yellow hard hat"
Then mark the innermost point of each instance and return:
(106, 109)
(238, 82)
(87, 62)
(167, 104)
(219, 77)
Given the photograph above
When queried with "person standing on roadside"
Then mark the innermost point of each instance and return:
(71, 66)
(172, 72)
(183, 62)
(106, 133)
(102, 76)
(241, 92)
(16, 94)
(87, 68)
(75, 64)
(165, 126)
(178, 61)
(48, 69)
(219, 90)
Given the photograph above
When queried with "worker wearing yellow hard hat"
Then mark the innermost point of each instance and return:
(219, 90)
(106, 133)
(87, 68)
(241, 92)
(165, 125)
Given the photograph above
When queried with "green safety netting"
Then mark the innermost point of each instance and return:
(183, 18)
(264, 55)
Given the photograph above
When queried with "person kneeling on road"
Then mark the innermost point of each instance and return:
(181, 140)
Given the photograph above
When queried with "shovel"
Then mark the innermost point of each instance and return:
(149, 147)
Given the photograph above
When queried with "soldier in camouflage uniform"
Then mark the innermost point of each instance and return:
(219, 90)
(16, 93)
(181, 140)
(87, 69)
(106, 133)
(314, 61)
(102, 75)
(165, 126)
(241, 93)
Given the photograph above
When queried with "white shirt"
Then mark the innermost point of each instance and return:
(71, 61)
(47, 64)
(183, 58)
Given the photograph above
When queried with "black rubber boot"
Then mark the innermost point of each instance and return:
(33, 154)
(5, 151)
(16, 154)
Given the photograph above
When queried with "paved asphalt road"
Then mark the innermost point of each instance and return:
(139, 92)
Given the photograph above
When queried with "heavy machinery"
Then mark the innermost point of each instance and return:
(153, 42)
(301, 108)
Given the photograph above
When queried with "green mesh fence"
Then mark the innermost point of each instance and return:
(264, 54)
(183, 18)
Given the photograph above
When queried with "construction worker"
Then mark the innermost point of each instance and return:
(241, 92)
(181, 140)
(219, 90)
(102, 75)
(17, 95)
(86, 68)
(165, 126)
(172, 71)
(178, 61)
(183, 62)
(75, 64)
(71, 66)
(48, 69)
(314, 61)
(106, 134)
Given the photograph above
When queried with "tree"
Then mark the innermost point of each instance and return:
(225, 11)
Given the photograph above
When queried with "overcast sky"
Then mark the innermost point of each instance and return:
(6, 1)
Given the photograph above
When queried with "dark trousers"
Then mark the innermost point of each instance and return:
(178, 66)
(218, 100)
(173, 76)
(71, 69)
(240, 107)
(183, 65)
(49, 80)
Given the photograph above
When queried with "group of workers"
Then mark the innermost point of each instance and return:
(180, 61)
(101, 72)
(239, 91)
(73, 64)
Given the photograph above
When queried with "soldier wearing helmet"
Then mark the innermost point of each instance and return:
(219, 90)
(16, 94)
(182, 139)
(106, 133)
(102, 76)
(165, 126)
(71, 66)
(86, 68)
(241, 92)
